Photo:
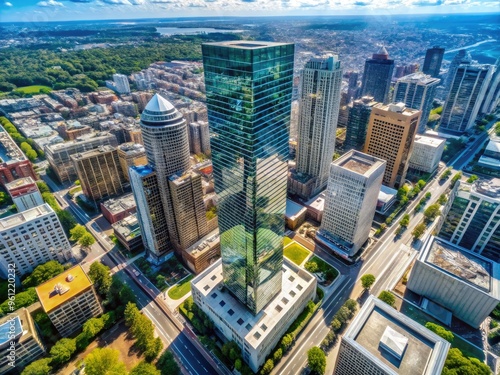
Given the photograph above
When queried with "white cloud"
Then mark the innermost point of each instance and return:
(50, 3)
(7, 4)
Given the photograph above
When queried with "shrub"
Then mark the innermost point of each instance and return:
(440, 331)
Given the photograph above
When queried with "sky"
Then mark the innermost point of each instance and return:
(37, 11)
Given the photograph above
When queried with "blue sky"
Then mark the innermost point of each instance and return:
(55, 10)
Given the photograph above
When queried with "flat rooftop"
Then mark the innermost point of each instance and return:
(142, 170)
(493, 146)
(121, 204)
(25, 216)
(71, 283)
(399, 108)
(204, 244)
(386, 193)
(459, 263)
(242, 44)
(293, 209)
(22, 328)
(253, 327)
(82, 139)
(16, 184)
(128, 227)
(317, 202)
(8, 148)
(132, 149)
(395, 342)
(92, 153)
(359, 162)
(420, 78)
(429, 141)
(490, 188)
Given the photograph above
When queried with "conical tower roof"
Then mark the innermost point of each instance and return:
(382, 51)
(159, 104)
(159, 111)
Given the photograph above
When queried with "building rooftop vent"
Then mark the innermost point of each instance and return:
(70, 278)
(394, 342)
(61, 288)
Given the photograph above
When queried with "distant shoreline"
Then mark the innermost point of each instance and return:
(472, 45)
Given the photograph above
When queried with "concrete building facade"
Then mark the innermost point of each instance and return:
(117, 209)
(130, 154)
(391, 131)
(13, 163)
(382, 341)
(121, 83)
(30, 238)
(464, 283)
(59, 154)
(255, 334)
(320, 83)
(417, 91)
(128, 232)
(24, 193)
(100, 173)
(69, 299)
(426, 154)
(473, 219)
(351, 200)
(19, 331)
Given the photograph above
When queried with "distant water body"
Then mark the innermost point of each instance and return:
(192, 30)
(485, 52)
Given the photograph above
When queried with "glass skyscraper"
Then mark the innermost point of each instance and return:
(433, 60)
(377, 76)
(249, 93)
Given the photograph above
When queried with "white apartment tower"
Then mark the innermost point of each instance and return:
(30, 238)
(320, 83)
(351, 200)
(121, 83)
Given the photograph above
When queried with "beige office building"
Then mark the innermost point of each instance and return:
(69, 299)
(391, 131)
(100, 173)
(131, 154)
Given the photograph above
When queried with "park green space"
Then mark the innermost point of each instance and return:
(296, 253)
(180, 290)
(34, 89)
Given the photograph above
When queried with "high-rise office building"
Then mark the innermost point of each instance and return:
(121, 83)
(350, 203)
(100, 173)
(319, 108)
(467, 92)
(390, 136)
(492, 95)
(433, 60)
(473, 218)
(357, 123)
(417, 91)
(24, 193)
(30, 238)
(131, 154)
(165, 136)
(382, 341)
(249, 91)
(199, 138)
(462, 57)
(426, 154)
(377, 76)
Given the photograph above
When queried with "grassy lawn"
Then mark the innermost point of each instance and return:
(180, 290)
(324, 267)
(296, 253)
(32, 89)
(287, 240)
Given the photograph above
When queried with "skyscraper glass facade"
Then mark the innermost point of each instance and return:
(433, 60)
(249, 91)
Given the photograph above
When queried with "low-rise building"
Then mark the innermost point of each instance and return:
(117, 209)
(69, 299)
(295, 214)
(128, 232)
(30, 238)
(20, 343)
(24, 193)
(386, 198)
(426, 154)
(203, 253)
(256, 335)
(315, 207)
(459, 281)
(13, 163)
(491, 155)
(382, 341)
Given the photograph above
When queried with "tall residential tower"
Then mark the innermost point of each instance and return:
(319, 108)
(433, 60)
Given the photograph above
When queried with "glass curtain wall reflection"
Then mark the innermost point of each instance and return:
(249, 91)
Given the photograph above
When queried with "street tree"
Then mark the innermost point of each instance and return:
(92, 327)
(167, 364)
(367, 280)
(40, 367)
(77, 232)
(440, 331)
(104, 361)
(387, 297)
(144, 368)
(316, 360)
(86, 240)
(101, 277)
(432, 212)
(405, 221)
(419, 231)
(62, 351)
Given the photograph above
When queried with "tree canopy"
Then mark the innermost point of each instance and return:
(40, 367)
(440, 331)
(387, 297)
(457, 364)
(144, 368)
(101, 277)
(316, 360)
(367, 280)
(167, 364)
(42, 273)
(104, 361)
